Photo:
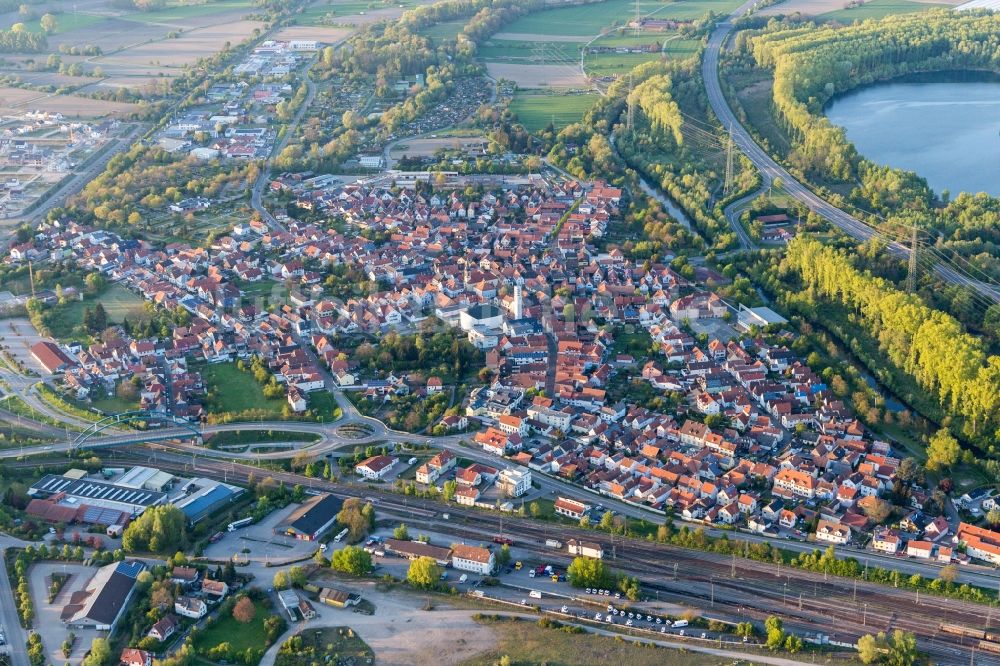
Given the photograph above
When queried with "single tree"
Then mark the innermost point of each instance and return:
(244, 611)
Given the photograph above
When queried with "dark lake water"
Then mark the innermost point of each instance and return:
(947, 132)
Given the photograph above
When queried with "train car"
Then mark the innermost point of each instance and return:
(989, 646)
(959, 630)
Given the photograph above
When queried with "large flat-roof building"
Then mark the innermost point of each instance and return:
(200, 497)
(75, 492)
(311, 519)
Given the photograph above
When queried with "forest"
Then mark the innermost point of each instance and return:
(811, 65)
(946, 363)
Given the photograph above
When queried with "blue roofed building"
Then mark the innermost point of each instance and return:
(201, 497)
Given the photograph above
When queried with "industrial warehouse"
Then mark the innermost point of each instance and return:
(117, 496)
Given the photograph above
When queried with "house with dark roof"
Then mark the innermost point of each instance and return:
(311, 519)
(99, 605)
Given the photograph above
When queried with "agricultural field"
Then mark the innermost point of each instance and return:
(137, 46)
(837, 10)
(877, 9)
(536, 111)
(354, 12)
(19, 100)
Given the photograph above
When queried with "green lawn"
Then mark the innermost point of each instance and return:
(443, 31)
(66, 22)
(233, 390)
(118, 302)
(240, 636)
(536, 111)
(877, 9)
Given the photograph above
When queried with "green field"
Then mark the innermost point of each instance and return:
(442, 31)
(233, 390)
(66, 22)
(226, 629)
(118, 302)
(589, 20)
(535, 112)
(877, 9)
(317, 12)
(538, 53)
(178, 11)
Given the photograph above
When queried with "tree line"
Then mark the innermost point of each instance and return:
(930, 346)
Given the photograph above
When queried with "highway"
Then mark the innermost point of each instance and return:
(733, 587)
(770, 169)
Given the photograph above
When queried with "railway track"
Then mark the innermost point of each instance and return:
(829, 606)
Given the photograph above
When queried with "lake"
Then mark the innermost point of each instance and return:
(946, 131)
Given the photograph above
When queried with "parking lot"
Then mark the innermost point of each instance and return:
(258, 544)
(18, 336)
(54, 632)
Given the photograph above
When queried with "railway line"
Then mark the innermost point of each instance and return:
(736, 587)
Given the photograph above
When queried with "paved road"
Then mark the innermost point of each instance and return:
(770, 169)
(9, 620)
(265, 170)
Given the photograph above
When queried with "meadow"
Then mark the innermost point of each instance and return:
(877, 9)
(536, 111)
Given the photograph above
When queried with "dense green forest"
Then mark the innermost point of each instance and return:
(812, 64)
(946, 363)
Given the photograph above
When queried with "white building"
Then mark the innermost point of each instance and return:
(376, 467)
(190, 607)
(832, 532)
(514, 482)
(585, 548)
(472, 558)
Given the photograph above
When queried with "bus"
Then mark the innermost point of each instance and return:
(341, 536)
(237, 524)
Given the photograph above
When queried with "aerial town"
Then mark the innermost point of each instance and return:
(475, 332)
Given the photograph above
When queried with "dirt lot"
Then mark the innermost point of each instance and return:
(324, 34)
(18, 100)
(19, 335)
(401, 632)
(539, 76)
(427, 147)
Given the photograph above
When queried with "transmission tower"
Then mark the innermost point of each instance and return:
(729, 163)
(638, 19)
(911, 275)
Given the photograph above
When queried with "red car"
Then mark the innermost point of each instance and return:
(504, 540)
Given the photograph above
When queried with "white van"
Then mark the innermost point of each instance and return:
(535, 594)
(464, 578)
